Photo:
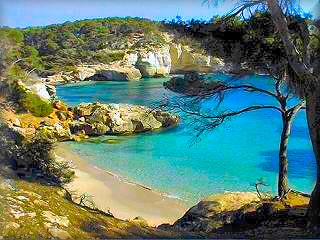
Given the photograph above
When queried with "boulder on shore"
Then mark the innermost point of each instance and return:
(247, 214)
(214, 211)
(99, 119)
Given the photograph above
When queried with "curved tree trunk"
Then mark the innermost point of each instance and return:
(283, 182)
(312, 88)
(313, 114)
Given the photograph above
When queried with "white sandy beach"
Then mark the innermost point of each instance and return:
(125, 200)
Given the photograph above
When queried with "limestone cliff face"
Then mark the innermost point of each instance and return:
(172, 58)
(151, 63)
(184, 59)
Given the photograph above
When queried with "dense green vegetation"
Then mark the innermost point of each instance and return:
(36, 105)
(56, 48)
(28, 101)
(59, 47)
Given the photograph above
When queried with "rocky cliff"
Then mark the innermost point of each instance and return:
(185, 59)
(172, 58)
(145, 61)
(151, 63)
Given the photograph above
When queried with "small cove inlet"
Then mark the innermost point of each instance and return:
(230, 158)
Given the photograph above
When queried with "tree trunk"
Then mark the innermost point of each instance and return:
(313, 114)
(283, 182)
(294, 57)
(312, 89)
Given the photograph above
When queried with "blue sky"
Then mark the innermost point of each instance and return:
(23, 13)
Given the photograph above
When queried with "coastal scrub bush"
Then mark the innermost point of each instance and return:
(37, 153)
(70, 69)
(32, 156)
(36, 105)
(15, 35)
(110, 57)
(13, 74)
(30, 101)
(32, 58)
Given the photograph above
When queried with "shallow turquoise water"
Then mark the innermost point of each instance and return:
(230, 158)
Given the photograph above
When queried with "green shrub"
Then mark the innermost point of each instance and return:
(109, 57)
(15, 35)
(269, 40)
(16, 72)
(32, 58)
(36, 105)
(70, 69)
(38, 155)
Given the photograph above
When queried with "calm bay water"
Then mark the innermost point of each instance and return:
(230, 158)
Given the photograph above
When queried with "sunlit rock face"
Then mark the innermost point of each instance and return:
(154, 63)
(85, 72)
(99, 119)
(184, 59)
(41, 90)
(131, 58)
(109, 72)
(172, 58)
(214, 211)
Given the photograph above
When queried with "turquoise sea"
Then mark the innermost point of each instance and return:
(230, 158)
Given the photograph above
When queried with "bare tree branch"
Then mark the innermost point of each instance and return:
(221, 88)
(185, 108)
(251, 88)
(192, 95)
(295, 109)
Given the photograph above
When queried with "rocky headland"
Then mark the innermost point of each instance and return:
(93, 119)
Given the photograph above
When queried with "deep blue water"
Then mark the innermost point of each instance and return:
(230, 158)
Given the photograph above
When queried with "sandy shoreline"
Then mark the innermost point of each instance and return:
(124, 199)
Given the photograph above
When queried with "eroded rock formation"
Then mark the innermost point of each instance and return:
(115, 72)
(100, 119)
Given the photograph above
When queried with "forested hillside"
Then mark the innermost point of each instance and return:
(60, 47)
